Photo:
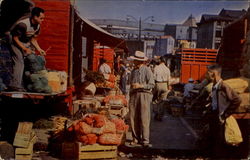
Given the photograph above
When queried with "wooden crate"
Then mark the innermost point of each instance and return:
(26, 153)
(97, 151)
(88, 106)
(23, 157)
(23, 134)
(69, 150)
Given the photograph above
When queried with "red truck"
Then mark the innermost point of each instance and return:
(194, 62)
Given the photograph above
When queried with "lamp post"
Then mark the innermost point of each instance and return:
(140, 21)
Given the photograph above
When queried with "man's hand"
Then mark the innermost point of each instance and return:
(28, 51)
(42, 52)
(136, 86)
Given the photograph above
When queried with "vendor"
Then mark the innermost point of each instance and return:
(104, 69)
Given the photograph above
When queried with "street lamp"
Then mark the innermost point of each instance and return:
(140, 23)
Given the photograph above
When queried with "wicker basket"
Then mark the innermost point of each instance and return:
(177, 110)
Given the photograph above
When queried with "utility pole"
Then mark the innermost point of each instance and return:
(139, 27)
(139, 37)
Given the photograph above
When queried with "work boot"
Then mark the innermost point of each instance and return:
(147, 145)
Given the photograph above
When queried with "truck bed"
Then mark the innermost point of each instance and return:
(15, 94)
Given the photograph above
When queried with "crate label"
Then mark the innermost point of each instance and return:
(17, 95)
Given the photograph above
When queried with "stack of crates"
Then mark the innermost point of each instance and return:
(24, 140)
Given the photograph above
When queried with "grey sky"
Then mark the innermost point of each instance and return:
(163, 11)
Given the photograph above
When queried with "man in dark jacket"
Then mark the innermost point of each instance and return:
(224, 103)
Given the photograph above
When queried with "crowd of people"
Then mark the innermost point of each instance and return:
(148, 84)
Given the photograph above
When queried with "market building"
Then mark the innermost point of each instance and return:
(130, 31)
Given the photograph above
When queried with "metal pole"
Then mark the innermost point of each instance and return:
(71, 48)
(139, 29)
(139, 38)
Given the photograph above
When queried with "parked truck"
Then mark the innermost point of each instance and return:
(69, 40)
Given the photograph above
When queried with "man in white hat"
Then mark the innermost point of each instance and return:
(142, 82)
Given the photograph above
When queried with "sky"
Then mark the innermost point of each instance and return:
(164, 11)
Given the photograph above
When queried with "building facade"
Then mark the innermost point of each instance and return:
(149, 48)
(186, 31)
(164, 46)
(130, 31)
(210, 28)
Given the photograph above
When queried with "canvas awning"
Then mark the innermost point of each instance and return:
(90, 30)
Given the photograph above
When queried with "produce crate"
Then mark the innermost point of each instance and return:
(78, 151)
(97, 151)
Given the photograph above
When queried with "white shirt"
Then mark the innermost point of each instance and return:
(187, 88)
(105, 69)
(161, 73)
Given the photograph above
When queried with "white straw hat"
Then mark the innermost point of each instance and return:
(139, 56)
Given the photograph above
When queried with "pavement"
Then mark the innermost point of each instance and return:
(173, 137)
(172, 133)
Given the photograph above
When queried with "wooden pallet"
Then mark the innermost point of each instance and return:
(97, 151)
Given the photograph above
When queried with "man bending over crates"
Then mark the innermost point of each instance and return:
(23, 42)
